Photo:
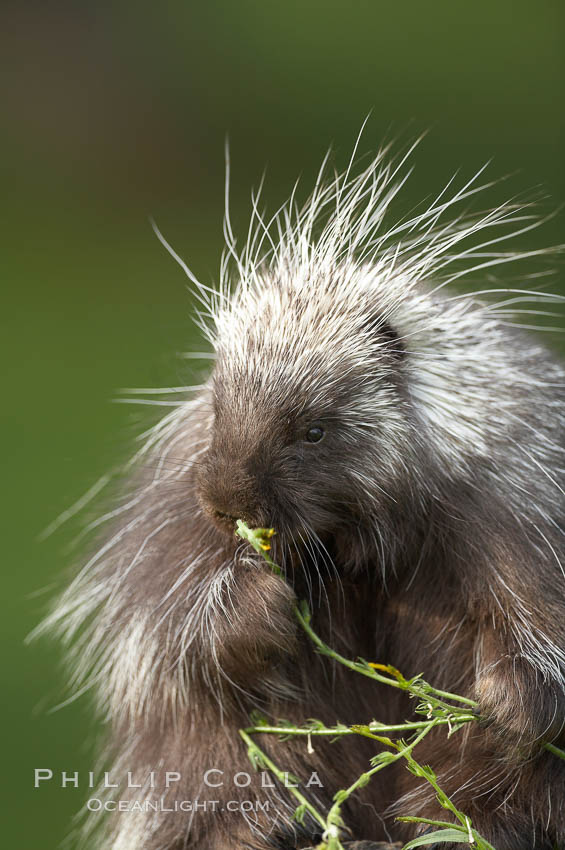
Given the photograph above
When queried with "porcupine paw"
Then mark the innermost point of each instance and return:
(515, 710)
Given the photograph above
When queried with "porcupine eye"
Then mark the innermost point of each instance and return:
(315, 434)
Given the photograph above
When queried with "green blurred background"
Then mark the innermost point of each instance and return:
(115, 111)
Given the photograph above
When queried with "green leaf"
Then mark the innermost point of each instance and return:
(363, 780)
(440, 836)
(313, 723)
(258, 719)
(381, 758)
(357, 727)
(255, 758)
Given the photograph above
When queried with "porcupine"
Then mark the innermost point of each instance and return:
(406, 441)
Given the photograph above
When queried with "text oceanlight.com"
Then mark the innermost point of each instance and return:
(144, 806)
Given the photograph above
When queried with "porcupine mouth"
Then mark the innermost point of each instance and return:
(294, 547)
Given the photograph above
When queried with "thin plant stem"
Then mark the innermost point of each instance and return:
(338, 731)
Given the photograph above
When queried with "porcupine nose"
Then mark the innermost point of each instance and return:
(229, 493)
(228, 511)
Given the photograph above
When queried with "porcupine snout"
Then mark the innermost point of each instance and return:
(232, 488)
